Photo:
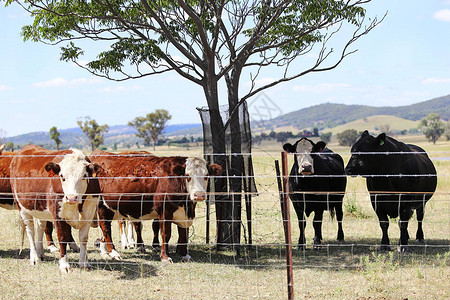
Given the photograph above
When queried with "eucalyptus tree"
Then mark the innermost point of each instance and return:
(204, 42)
(93, 131)
(54, 135)
(151, 126)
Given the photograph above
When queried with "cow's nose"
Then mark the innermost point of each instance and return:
(306, 168)
(72, 199)
(199, 196)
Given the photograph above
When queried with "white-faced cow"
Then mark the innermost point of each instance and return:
(317, 183)
(7, 199)
(145, 187)
(55, 186)
(400, 178)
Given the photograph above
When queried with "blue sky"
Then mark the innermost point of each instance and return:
(404, 60)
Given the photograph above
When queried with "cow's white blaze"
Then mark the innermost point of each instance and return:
(74, 176)
(197, 180)
(304, 158)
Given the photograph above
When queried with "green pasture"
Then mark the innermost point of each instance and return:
(353, 270)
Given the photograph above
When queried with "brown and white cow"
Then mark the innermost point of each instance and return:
(68, 198)
(145, 187)
(7, 200)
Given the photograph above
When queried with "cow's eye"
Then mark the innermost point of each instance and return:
(62, 178)
(205, 178)
(189, 179)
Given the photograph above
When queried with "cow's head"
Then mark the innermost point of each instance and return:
(361, 163)
(74, 171)
(302, 150)
(197, 172)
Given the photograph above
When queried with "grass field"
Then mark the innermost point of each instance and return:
(353, 270)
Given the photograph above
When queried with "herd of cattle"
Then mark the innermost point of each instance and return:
(77, 191)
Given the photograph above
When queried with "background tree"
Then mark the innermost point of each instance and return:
(432, 127)
(10, 146)
(204, 42)
(283, 136)
(93, 131)
(326, 137)
(151, 126)
(347, 137)
(447, 131)
(54, 135)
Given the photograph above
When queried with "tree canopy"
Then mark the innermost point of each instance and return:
(54, 135)
(93, 131)
(432, 127)
(151, 126)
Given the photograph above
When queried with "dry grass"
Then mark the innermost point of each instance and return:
(354, 270)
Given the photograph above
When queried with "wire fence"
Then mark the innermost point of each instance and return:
(256, 266)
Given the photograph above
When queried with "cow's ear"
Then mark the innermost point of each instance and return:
(319, 146)
(289, 148)
(93, 169)
(52, 168)
(365, 133)
(178, 170)
(214, 170)
(381, 139)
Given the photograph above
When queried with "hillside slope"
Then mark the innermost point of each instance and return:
(330, 115)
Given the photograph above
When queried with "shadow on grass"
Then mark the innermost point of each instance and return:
(332, 257)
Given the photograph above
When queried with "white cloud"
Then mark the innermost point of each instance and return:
(322, 87)
(433, 80)
(61, 82)
(442, 15)
(5, 87)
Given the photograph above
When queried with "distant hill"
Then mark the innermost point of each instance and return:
(373, 124)
(323, 116)
(330, 115)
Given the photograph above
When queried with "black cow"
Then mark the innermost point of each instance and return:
(400, 178)
(317, 182)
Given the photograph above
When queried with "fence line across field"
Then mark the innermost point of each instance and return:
(270, 153)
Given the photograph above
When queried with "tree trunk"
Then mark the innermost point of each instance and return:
(219, 187)
(236, 162)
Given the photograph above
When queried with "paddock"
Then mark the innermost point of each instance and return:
(355, 269)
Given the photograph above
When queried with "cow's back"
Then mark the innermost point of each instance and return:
(411, 161)
(29, 179)
(130, 178)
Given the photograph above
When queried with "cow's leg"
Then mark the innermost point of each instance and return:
(63, 232)
(29, 228)
(155, 226)
(48, 236)
(183, 234)
(40, 236)
(405, 215)
(107, 248)
(317, 224)
(339, 217)
(420, 212)
(384, 224)
(166, 232)
(140, 242)
(302, 226)
(83, 236)
(72, 245)
(123, 234)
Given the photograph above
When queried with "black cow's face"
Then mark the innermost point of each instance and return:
(302, 150)
(362, 161)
